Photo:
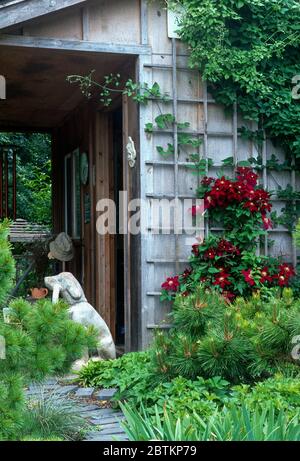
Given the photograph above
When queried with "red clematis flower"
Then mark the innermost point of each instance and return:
(248, 277)
(267, 223)
(206, 181)
(171, 284)
(197, 209)
(262, 200)
(265, 276)
(247, 176)
(210, 254)
(195, 249)
(252, 206)
(221, 280)
(226, 247)
(186, 274)
(287, 270)
(283, 281)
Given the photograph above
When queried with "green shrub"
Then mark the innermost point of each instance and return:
(233, 424)
(40, 340)
(179, 396)
(281, 393)
(7, 264)
(241, 342)
(122, 373)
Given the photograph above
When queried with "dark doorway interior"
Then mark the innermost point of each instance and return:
(119, 243)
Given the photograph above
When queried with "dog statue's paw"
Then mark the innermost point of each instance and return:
(79, 364)
(96, 359)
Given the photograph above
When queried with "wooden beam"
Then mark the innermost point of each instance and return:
(144, 22)
(85, 23)
(72, 45)
(13, 14)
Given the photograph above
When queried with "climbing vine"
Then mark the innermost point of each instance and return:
(139, 92)
(187, 140)
(142, 93)
(249, 52)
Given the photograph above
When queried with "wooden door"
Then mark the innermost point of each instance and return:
(132, 264)
(104, 248)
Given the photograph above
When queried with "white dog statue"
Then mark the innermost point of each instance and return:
(66, 285)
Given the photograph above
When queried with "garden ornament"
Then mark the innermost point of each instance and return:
(61, 248)
(66, 285)
(131, 152)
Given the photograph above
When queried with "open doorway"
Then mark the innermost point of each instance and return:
(26, 200)
(87, 147)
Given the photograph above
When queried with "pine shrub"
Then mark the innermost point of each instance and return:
(241, 342)
(39, 340)
(7, 264)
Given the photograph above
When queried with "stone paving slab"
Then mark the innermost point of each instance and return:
(102, 412)
(113, 425)
(112, 430)
(85, 408)
(104, 421)
(65, 390)
(106, 394)
(107, 438)
(84, 392)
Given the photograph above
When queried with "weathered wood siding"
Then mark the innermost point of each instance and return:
(164, 255)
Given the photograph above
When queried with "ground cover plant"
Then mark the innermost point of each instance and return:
(219, 364)
(201, 409)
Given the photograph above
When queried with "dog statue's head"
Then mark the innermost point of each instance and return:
(68, 286)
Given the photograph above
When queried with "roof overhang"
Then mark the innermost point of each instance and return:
(17, 12)
(38, 97)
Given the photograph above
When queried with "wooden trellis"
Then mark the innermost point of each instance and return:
(165, 256)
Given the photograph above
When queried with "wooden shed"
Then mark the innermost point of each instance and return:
(44, 41)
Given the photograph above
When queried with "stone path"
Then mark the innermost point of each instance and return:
(105, 422)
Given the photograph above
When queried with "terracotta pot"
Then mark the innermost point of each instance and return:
(39, 293)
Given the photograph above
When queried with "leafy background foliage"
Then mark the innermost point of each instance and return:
(33, 175)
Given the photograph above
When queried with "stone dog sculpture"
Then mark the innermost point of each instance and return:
(66, 285)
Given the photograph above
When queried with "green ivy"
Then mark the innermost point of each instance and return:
(249, 52)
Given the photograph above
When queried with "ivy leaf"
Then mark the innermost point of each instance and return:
(213, 270)
(166, 152)
(164, 120)
(244, 163)
(228, 161)
(149, 128)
